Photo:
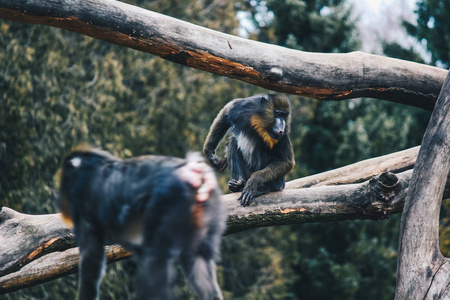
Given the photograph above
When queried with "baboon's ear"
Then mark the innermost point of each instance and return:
(264, 100)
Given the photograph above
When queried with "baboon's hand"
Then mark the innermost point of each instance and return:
(236, 185)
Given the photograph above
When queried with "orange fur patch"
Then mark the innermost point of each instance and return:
(258, 125)
(66, 216)
(197, 214)
(67, 219)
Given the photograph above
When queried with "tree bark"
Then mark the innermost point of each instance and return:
(422, 271)
(374, 199)
(37, 249)
(361, 171)
(317, 75)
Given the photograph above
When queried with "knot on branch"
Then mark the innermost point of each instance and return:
(385, 185)
(384, 191)
(275, 74)
(180, 57)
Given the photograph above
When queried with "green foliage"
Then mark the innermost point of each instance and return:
(349, 131)
(313, 25)
(433, 25)
(346, 260)
(310, 25)
(444, 228)
(256, 264)
(396, 51)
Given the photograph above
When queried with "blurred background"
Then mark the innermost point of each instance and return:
(58, 89)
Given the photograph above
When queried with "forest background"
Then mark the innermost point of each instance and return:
(59, 89)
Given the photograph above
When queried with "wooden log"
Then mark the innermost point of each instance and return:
(374, 199)
(51, 266)
(25, 238)
(360, 171)
(318, 75)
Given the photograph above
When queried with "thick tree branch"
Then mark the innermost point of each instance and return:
(317, 75)
(422, 271)
(361, 171)
(374, 199)
(36, 249)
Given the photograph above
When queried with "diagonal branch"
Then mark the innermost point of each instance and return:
(361, 171)
(317, 75)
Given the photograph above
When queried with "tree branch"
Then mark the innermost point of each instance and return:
(317, 75)
(373, 199)
(361, 171)
(422, 271)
